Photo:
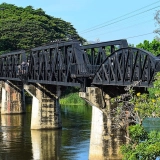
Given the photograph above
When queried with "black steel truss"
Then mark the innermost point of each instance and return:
(127, 66)
(96, 53)
(9, 64)
(67, 63)
(52, 64)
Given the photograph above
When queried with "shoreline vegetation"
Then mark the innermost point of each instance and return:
(72, 99)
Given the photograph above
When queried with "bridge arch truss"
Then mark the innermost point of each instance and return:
(127, 65)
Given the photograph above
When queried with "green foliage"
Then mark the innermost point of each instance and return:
(72, 99)
(132, 108)
(147, 105)
(153, 47)
(137, 132)
(143, 145)
(154, 92)
(140, 148)
(24, 28)
(69, 90)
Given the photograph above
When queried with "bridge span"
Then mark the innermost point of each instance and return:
(100, 70)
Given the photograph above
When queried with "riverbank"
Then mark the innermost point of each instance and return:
(72, 99)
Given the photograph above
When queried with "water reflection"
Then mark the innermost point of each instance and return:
(14, 138)
(18, 142)
(76, 122)
(46, 144)
(76, 140)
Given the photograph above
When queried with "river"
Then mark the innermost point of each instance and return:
(18, 142)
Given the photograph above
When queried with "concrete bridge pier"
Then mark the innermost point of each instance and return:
(104, 141)
(45, 106)
(13, 98)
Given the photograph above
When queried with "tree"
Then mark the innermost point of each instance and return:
(153, 47)
(25, 28)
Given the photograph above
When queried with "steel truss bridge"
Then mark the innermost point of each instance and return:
(68, 63)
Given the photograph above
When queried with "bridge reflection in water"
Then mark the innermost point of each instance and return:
(46, 144)
(79, 139)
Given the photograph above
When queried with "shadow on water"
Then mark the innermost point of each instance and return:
(79, 139)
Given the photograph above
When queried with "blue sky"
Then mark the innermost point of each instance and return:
(103, 20)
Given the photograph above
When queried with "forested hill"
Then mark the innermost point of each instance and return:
(24, 28)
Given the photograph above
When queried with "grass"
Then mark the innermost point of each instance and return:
(72, 99)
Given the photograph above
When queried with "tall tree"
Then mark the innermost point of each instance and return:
(24, 28)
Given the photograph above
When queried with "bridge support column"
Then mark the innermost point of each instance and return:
(13, 98)
(104, 141)
(45, 107)
(94, 96)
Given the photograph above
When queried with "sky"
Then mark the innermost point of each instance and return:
(103, 20)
